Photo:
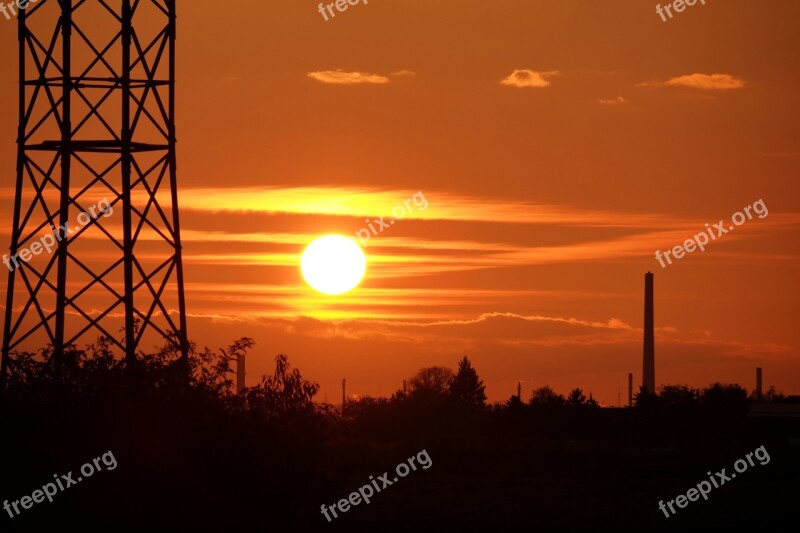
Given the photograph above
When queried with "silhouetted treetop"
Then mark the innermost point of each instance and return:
(433, 381)
(466, 387)
(283, 393)
(546, 397)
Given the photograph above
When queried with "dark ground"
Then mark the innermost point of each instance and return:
(192, 466)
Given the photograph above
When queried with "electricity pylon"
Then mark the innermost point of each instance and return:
(96, 129)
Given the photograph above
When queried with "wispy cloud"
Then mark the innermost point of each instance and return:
(613, 101)
(708, 82)
(358, 202)
(340, 77)
(529, 78)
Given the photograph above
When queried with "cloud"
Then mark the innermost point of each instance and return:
(709, 82)
(612, 101)
(364, 201)
(529, 78)
(340, 77)
(404, 72)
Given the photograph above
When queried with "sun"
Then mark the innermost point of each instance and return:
(333, 264)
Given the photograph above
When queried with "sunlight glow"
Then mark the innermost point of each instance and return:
(333, 264)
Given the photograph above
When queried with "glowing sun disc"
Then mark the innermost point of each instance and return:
(333, 264)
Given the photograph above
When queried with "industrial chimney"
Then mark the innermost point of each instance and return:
(649, 358)
(758, 384)
(630, 389)
(240, 373)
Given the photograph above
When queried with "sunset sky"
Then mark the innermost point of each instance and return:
(558, 144)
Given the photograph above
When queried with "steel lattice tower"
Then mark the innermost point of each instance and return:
(96, 121)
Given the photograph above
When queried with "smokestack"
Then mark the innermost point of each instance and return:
(519, 390)
(240, 373)
(630, 389)
(758, 383)
(343, 394)
(649, 358)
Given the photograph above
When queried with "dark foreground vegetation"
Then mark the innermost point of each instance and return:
(197, 456)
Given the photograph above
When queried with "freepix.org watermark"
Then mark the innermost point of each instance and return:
(399, 212)
(366, 492)
(678, 5)
(341, 7)
(713, 232)
(14, 7)
(62, 482)
(49, 240)
(718, 479)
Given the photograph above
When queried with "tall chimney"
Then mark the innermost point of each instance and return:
(240, 373)
(758, 384)
(343, 394)
(630, 389)
(519, 390)
(649, 358)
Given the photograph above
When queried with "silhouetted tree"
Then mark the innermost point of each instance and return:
(644, 399)
(214, 372)
(546, 397)
(773, 395)
(513, 403)
(283, 393)
(576, 398)
(592, 403)
(725, 397)
(399, 395)
(431, 382)
(678, 396)
(467, 388)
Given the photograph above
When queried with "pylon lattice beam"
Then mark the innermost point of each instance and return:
(96, 122)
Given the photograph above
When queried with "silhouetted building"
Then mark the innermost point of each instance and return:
(649, 358)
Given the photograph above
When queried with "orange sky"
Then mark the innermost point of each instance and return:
(547, 194)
